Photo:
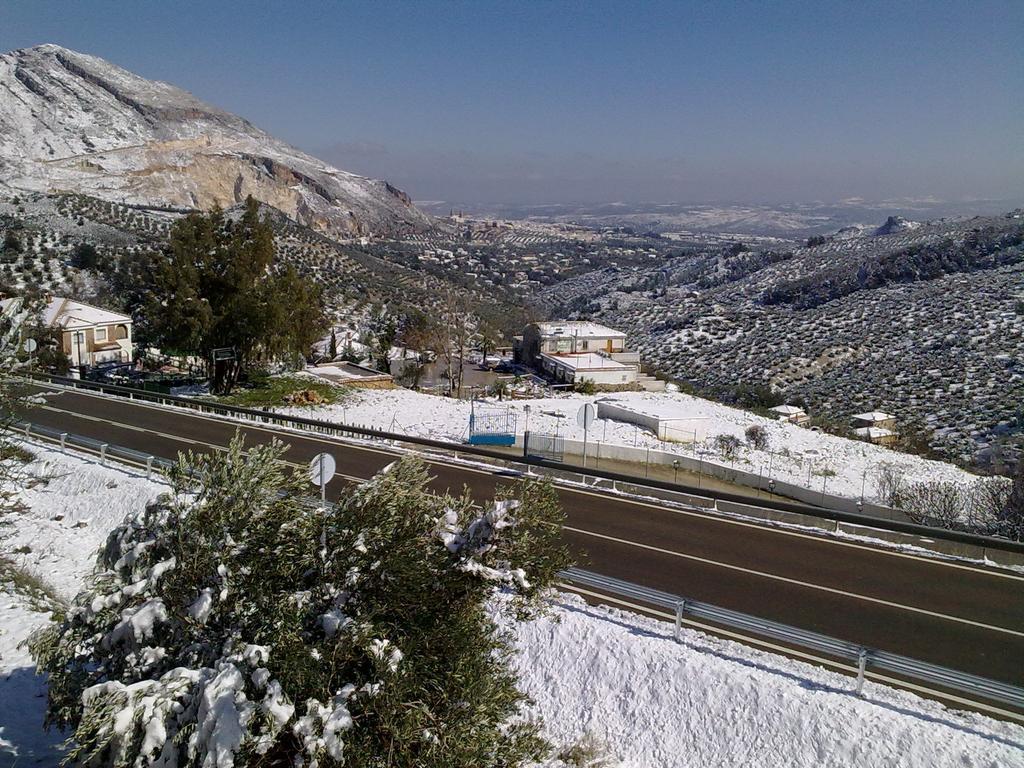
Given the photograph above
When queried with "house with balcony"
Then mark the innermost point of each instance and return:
(87, 334)
(569, 351)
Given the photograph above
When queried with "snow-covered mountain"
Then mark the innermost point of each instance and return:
(76, 123)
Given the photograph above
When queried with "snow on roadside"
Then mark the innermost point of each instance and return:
(72, 504)
(810, 454)
(617, 677)
(623, 681)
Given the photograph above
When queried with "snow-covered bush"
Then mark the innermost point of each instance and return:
(757, 437)
(728, 446)
(234, 623)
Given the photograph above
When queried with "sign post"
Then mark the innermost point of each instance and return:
(30, 347)
(321, 470)
(585, 417)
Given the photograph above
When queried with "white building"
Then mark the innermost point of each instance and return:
(602, 370)
(88, 335)
(794, 414)
(572, 337)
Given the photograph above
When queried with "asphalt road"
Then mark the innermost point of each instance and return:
(967, 617)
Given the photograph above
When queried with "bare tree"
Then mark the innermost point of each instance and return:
(453, 332)
(976, 506)
(728, 446)
(1010, 520)
(889, 483)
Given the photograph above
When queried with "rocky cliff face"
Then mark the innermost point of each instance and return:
(76, 123)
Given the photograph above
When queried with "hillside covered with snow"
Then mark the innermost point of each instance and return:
(793, 454)
(75, 123)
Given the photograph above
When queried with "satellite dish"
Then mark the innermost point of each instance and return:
(321, 469)
(586, 415)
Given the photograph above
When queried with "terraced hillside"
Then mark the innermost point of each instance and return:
(926, 323)
(49, 231)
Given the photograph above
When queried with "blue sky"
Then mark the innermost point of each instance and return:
(583, 102)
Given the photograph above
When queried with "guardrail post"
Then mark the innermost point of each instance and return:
(28, 430)
(63, 440)
(103, 454)
(149, 467)
(862, 663)
(680, 609)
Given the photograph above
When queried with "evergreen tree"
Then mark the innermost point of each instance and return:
(217, 287)
(85, 256)
(333, 350)
(235, 623)
(12, 243)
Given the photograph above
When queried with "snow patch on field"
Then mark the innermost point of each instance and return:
(794, 453)
(72, 503)
(619, 678)
(624, 681)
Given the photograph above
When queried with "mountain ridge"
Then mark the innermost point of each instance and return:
(72, 122)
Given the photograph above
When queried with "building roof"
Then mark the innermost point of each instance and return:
(787, 410)
(581, 329)
(586, 361)
(67, 313)
(873, 416)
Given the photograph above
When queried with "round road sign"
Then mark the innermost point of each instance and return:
(321, 469)
(586, 415)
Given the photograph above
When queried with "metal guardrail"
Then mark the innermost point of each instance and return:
(684, 609)
(103, 450)
(346, 430)
(865, 659)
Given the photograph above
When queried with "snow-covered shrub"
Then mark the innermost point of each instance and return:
(757, 437)
(728, 446)
(234, 623)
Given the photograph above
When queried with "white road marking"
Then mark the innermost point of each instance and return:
(649, 547)
(570, 489)
(186, 440)
(798, 582)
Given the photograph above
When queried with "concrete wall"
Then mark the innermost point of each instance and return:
(598, 451)
(753, 510)
(671, 430)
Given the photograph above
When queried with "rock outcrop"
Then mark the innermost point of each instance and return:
(75, 123)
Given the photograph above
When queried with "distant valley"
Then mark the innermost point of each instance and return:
(915, 307)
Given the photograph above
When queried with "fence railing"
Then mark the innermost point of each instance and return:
(347, 430)
(864, 659)
(684, 609)
(104, 450)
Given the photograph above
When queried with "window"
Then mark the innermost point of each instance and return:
(586, 344)
(101, 334)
